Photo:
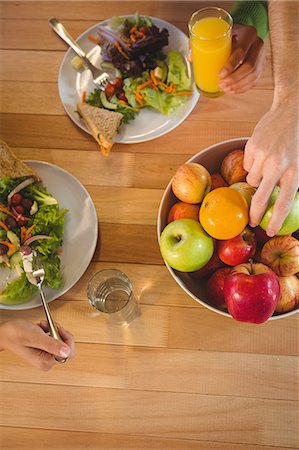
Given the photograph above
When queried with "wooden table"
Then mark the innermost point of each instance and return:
(181, 377)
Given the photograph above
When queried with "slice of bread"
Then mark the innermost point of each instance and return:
(11, 166)
(102, 123)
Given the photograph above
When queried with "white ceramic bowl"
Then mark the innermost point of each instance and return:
(211, 158)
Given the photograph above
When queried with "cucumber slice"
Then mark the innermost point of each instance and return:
(106, 103)
(161, 70)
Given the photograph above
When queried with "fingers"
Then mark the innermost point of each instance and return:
(243, 38)
(46, 343)
(282, 206)
(66, 336)
(37, 358)
(260, 201)
(247, 75)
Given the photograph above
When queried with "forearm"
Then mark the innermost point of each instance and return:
(284, 35)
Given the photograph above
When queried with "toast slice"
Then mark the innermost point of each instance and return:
(102, 123)
(11, 166)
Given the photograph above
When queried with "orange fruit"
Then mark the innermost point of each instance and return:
(223, 213)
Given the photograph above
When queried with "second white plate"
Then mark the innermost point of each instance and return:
(80, 231)
(148, 124)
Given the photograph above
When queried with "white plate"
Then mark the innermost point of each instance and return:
(148, 124)
(80, 233)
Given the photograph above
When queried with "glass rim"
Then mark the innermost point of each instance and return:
(213, 8)
(119, 272)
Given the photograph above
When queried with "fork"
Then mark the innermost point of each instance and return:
(39, 275)
(100, 78)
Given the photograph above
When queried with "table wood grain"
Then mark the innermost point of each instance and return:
(180, 377)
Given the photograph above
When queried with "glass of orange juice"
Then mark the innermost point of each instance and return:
(210, 32)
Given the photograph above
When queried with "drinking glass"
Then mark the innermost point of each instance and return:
(110, 292)
(210, 31)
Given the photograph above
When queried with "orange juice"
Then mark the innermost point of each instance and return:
(211, 42)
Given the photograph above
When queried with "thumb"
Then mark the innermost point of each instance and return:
(51, 345)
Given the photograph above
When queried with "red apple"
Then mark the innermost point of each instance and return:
(289, 294)
(191, 183)
(182, 210)
(215, 286)
(212, 265)
(232, 168)
(245, 189)
(251, 292)
(261, 236)
(238, 249)
(217, 181)
(281, 253)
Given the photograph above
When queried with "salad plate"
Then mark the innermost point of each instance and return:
(80, 229)
(148, 124)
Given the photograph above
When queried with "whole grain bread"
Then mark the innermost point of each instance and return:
(11, 166)
(102, 123)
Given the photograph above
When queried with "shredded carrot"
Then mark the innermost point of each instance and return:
(184, 93)
(27, 233)
(139, 100)
(143, 85)
(117, 45)
(133, 38)
(153, 78)
(133, 29)
(10, 246)
(23, 234)
(5, 210)
(93, 39)
(83, 96)
(160, 83)
(139, 34)
(2, 224)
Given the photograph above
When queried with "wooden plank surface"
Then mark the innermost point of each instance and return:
(180, 377)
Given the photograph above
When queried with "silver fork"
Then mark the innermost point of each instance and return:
(100, 78)
(39, 275)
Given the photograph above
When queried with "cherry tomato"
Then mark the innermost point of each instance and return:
(144, 30)
(27, 203)
(20, 209)
(10, 222)
(16, 199)
(110, 90)
(22, 221)
(118, 83)
(122, 96)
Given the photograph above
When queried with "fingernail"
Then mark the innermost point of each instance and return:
(253, 224)
(64, 352)
(222, 84)
(223, 73)
(270, 233)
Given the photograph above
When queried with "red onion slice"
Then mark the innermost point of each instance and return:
(36, 237)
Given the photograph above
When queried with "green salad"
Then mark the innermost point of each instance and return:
(31, 224)
(146, 75)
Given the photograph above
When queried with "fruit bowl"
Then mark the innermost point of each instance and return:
(211, 159)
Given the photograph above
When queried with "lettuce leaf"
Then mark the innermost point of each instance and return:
(177, 72)
(49, 220)
(53, 277)
(7, 184)
(18, 291)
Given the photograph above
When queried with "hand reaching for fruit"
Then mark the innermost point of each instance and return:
(207, 235)
(272, 158)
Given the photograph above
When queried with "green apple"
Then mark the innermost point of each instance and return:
(185, 246)
(291, 223)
